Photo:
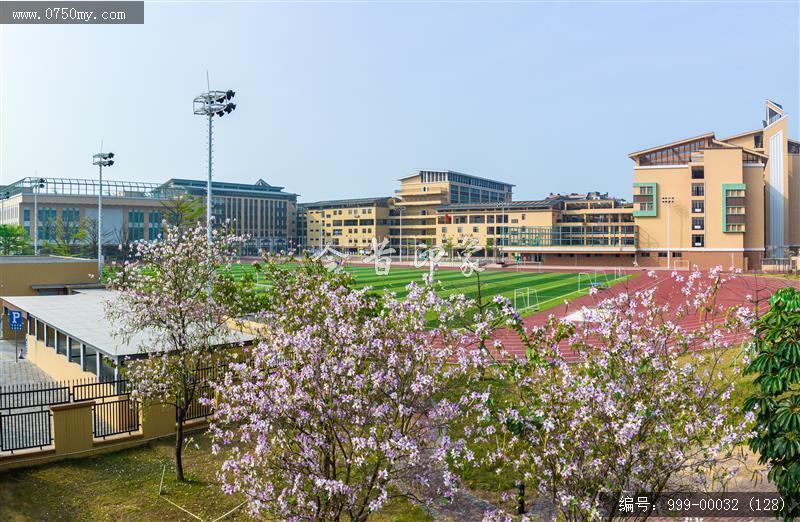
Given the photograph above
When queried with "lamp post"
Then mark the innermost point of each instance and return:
(668, 201)
(400, 209)
(101, 159)
(210, 104)
(38, 184)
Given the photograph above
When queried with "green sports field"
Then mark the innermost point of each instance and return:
(534, 290)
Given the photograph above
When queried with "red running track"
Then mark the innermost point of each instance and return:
(742, 290)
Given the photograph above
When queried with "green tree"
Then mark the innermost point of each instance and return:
(776, 402)
(184, 210)
(14, 240)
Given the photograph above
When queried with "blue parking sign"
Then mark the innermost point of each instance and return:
(15, 320)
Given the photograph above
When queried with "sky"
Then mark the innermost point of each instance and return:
(339, 100)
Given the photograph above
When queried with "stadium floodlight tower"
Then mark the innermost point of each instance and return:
(210, 104)
(38, 184)
(101, 159)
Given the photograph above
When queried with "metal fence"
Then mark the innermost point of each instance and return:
(782, 265)
(197, 409)
(62, 392)
(26, 430)
(115, 417)
(33, 395)
(100, 390)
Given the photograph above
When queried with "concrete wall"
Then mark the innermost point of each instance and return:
(52, 363)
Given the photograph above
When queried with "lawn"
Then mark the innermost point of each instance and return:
(543, 289)
(124, 486)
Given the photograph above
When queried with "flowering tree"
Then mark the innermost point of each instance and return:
(344, 404)
(636, 414)
(163, 304)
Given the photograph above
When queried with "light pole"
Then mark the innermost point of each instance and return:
(209, 104)
(668, 201)
(101, 159)
(38, 184)
(400, 209)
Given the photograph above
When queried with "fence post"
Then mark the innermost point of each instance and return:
(72, 427)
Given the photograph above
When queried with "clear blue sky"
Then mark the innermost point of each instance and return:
(340, 100)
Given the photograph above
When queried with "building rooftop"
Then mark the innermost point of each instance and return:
(87, 187)
(417, 172)
(541, 204)
(354, 202)
(259, 188)
(82, 316)
(10, 260)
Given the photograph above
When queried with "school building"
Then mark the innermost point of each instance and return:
(700, 201)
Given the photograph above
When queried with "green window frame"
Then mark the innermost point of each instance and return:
(653, 212)
(726, 188)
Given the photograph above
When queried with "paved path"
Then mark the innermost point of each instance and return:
(21, 371)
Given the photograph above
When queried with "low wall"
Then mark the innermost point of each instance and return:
(71, 427)
(54, 364)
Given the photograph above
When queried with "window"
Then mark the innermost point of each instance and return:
(698, 206)
(698, 240)
(474, 230)
(153, 224)
(662, 254)
(644, 254)
(698, 190)
(135, 225)
(698, 173)
(758, 141)
(698, 223)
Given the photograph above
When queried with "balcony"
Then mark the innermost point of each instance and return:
(575, 238)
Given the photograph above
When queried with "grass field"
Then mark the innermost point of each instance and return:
(548, 289)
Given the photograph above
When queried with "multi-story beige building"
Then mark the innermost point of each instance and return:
(560, 229)
(422, 193)
(701, 201)
(720, 201)
(348, 225)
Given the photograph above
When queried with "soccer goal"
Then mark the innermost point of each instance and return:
(680, 264)
(597, 279)
(526, 299)
(619, 273)
(530, 266)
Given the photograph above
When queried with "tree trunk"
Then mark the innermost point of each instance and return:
(520, 498)
(179, 447)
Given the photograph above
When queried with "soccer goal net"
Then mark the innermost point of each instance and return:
(681, 264)
(530, 266)
(526, 299)
(597, 279)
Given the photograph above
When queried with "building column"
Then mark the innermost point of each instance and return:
(83, 357)
(98, 363)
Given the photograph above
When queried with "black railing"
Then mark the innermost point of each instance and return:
(100, 390)
(33, 395)
(197, 409)
(20, 431)
(115, 417)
